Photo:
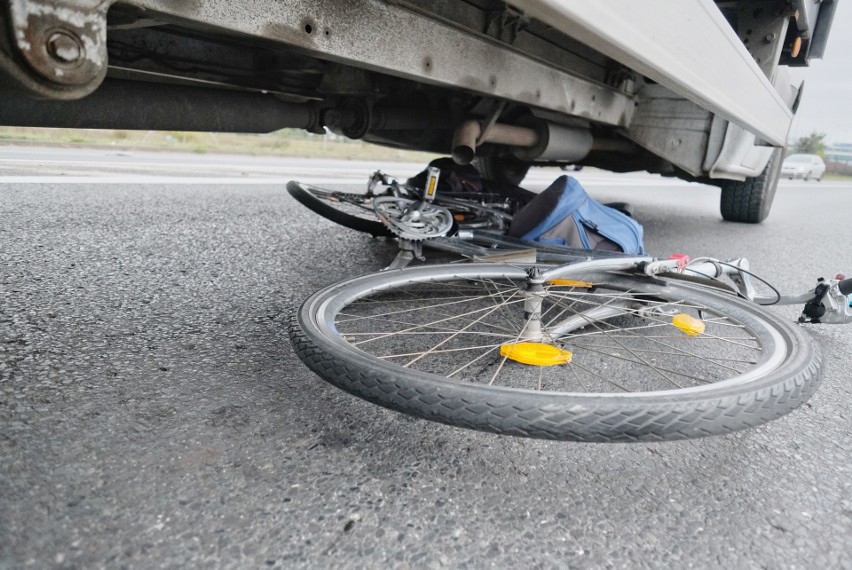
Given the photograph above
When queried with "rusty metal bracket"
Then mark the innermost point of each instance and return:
(490, 121)
(62, 41)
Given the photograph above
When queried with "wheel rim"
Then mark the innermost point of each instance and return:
(451, 327)
(357, 205)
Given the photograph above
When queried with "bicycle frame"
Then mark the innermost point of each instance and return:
(829, 302)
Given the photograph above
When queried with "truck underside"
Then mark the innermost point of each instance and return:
(696, 90)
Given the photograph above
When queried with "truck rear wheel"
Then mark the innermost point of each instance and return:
(749, 200)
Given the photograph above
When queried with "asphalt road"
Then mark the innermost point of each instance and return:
(153, 413)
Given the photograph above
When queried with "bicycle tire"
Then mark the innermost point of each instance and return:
(718, 408)
(329, 205)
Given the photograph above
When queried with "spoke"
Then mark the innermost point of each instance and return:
(638, 357)
(604, 378)
(653, 318)
(436, 332)
(411, 310)
(643, 327)
(555, 305)
(684, 352)
(507, 317)
(676, 352)
(504, 359)
(729, 340)
(680, 351)
(643, 313)
(579, 380)
(415, 325)
(661, 322)
(477, 359)
(367, 301)
(487, 310)
(449, 338)
(724, 322)
(658, 323)
(355, 202)
(460, 285)
(442, 351)
(589, 299)
(619, 357)
(499, 291)
(592, 303)
(499, 368)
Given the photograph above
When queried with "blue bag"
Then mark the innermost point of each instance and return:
(565, 214)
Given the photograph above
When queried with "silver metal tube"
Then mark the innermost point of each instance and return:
(540, 140)
(469, 135)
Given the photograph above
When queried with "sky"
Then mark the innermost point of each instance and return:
(826, 105)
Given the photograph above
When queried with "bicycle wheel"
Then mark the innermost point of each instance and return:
(437, 342)
(353, 211)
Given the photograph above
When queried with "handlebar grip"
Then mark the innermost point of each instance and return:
(845, 286)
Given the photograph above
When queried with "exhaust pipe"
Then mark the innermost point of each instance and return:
(468, 136)
(540, 140)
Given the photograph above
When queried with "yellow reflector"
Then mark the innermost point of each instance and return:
(535, 353)
(458, 217)
(688, 324)
(571, 283)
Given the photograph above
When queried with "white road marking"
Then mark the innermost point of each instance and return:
(175, 180)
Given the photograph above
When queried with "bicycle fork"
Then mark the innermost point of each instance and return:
(534, 295)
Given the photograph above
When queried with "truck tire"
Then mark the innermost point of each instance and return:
(749, 200)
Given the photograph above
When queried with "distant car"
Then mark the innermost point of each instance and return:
(804, 166)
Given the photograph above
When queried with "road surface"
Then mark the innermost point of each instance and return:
(153, 414)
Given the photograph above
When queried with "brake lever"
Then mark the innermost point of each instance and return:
(832, 302)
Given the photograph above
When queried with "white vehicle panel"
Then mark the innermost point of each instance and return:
(688, 47)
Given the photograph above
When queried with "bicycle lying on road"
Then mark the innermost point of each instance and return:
(389, 208)
(592, 346)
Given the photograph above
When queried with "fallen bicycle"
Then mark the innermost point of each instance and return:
(562, 343)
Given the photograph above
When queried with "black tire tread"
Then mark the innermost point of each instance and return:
(302, 193)
(749, 201)
(688, 418)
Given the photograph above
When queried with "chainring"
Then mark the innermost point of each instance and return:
(411, 219)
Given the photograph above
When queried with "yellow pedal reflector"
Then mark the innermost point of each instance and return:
(688, 324)
(535, 353)
(571, 283)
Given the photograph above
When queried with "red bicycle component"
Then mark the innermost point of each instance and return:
(682, 260)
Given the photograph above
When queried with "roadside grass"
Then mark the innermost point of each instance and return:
(285, 143)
